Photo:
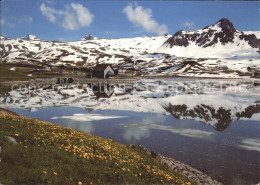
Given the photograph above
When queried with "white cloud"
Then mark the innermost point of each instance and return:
(48, 12)
(73, 17)
(143, 18)
(188, 26)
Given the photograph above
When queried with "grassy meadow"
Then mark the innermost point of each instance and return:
(45, 153)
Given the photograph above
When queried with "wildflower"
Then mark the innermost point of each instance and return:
(16, 135)
(188, 183)
(44, 172)
(55, 173)
(79, 183)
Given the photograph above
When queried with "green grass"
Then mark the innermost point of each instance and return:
(8, 75)
(52, 74)
(50, 154)
(21, 74)
(5, 89)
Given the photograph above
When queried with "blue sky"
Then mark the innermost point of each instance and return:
(72, 20)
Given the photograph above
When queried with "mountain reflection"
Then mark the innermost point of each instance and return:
(182, 99)
(207, 113)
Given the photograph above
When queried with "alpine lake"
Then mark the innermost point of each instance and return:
(212, 125)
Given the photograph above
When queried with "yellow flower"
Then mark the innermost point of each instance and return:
(79, 183)
(16, 135)
(188, 183)
(55, 173)
(44, 172)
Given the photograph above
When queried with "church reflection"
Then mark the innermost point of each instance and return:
(102, 90)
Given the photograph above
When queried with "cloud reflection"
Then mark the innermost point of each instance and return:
(139, 131)
(88, 117)
(135, 134)
(250, 144)
(194, 133)
(86, 127)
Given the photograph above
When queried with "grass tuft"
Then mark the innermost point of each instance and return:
(8, 75)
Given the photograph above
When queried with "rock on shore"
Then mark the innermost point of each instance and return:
(185, 170)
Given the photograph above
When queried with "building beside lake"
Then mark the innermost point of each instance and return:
(102, 71)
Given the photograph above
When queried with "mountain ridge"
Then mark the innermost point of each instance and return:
(222, 31)
(186, 53)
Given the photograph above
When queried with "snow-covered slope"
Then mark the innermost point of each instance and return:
(83, 52)
(186, 53)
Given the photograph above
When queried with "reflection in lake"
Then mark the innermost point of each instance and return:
(210, 125)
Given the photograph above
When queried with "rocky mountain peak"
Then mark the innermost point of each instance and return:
(89, 37)
(224, 24)
(222, 32)
(31, 37)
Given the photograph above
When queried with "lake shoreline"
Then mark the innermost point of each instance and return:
(129, 79)
(182, 168)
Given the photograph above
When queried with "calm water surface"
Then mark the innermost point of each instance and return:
(215, 132)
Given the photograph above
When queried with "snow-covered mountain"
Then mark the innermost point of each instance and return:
(186, 53)
(222, 32)
(218, 40)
